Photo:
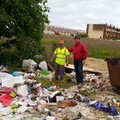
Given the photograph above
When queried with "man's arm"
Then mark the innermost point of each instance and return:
(53, 57)
(67, 60)
(70, 49)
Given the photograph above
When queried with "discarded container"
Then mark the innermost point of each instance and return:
(13, 94)
(114, 73)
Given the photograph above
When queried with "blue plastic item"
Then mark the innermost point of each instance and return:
(50, 89)
(113, 111)
(110, 109)
(15, 74)
(98, 105)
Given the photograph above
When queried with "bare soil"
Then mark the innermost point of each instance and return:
(96, 63)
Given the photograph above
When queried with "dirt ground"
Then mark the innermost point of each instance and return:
(97, 64)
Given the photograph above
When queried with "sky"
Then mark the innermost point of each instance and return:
(76, 14)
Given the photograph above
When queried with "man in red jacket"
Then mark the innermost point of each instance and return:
(80, 54)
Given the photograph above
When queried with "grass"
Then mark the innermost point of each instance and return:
(103, 53)
(96, 48)
(51, 82)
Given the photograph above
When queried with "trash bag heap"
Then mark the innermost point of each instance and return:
(20, 92)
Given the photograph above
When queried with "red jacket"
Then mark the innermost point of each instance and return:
(79, 51)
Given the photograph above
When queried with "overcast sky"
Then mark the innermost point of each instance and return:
(77, 14)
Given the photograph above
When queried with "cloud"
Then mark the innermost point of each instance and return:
(78, 13)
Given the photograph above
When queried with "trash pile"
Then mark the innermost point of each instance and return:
(23, 97)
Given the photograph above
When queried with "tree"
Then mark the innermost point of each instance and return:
(23, 20)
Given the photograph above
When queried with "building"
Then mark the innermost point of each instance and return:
(57, 30)
(103, 31)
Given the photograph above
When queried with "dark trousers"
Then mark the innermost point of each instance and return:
(78, 70)
(59, 70)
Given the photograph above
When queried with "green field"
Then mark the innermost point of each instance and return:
(96, 48)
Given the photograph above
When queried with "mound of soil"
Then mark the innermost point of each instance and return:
(96, 63)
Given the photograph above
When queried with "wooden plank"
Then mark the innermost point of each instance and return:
(50, 67)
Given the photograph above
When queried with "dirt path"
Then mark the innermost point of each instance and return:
(95, 63)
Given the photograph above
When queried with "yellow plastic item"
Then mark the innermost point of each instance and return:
(13, 94)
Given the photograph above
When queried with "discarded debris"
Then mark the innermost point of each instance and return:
(22, 96)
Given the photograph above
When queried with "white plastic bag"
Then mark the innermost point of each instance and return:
(59, 98)
(43, 65)
(22, 91)
(50, 118)
(6, 111)
(29, 64)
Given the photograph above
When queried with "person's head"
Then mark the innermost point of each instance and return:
(61, 42)
(77, 39)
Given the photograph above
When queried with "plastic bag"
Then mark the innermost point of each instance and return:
(108, 108)
(43, 65)
(22, 91)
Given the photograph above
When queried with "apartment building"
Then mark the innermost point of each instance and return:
(58, 30)
(103, 31)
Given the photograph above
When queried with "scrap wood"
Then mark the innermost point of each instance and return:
(85, 69)
(51, 68)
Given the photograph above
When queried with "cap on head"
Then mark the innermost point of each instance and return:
(61, 41)
(76, 37)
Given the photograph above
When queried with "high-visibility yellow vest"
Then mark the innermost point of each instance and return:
(61, 55)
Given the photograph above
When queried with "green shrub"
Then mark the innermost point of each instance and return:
(83, 35)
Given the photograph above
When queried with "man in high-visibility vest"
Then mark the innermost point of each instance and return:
(61, 57)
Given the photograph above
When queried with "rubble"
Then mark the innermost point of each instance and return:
(23, 97)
